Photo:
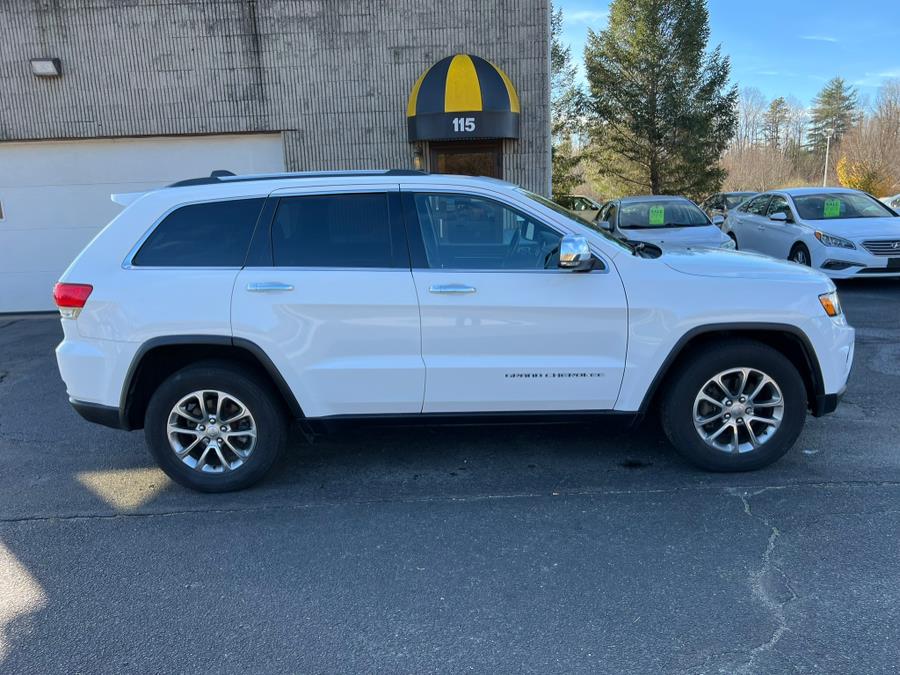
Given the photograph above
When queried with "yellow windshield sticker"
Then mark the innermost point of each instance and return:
(657, 215)
(832, 208)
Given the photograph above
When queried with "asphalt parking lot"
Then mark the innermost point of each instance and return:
(541, 549)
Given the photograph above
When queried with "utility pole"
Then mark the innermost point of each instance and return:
(827, 149)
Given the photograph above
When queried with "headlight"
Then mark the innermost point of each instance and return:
(831, 304)
(831, 240)
(728, 245)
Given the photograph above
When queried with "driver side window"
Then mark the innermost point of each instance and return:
(469, 232)
(779, 205)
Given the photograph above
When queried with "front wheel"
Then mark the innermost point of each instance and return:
(735, 407)
(800, 255)
(215, 427)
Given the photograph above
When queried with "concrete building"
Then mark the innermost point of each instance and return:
(105, 96)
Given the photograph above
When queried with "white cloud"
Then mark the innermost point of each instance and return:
(819, 38)
(877, 79)
(588, 16)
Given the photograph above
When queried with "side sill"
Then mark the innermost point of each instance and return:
(523, 418)
(105, 415)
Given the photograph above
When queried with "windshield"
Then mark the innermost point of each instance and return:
(736, 199)
(575, 219)
(658, 213)
(839, 205)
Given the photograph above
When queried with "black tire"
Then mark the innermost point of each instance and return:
(734, 239)
(693, 372)
(800, 255)
(257, 395)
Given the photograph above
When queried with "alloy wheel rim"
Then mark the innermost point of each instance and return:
(738, 410)
(800, 256)
(211, 431)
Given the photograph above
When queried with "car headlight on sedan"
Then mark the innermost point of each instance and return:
(728, 244)
(835, 242)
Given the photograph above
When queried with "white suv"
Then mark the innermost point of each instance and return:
(215, 310)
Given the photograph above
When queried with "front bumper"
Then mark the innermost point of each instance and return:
(842, 263)
(826, 404)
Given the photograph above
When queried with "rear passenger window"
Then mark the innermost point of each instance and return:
(212, 234)
(346, 230)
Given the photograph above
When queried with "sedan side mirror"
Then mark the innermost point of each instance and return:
(604, 225)
(779, 217)
(575, 254)
(718, 220)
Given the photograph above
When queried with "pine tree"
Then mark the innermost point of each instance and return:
(565, 101)
(775, 123)
(834, 111)
(660, 105)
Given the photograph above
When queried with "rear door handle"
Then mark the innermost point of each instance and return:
(451, 289)
(268, 287)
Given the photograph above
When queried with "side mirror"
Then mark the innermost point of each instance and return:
(575, 254)
(604, 225)
(779, 217)
(718, 220)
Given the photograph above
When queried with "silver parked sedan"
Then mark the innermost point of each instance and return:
(844, 233)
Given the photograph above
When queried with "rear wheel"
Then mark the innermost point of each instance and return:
(215, 427)
(800, 255)
(735, 407)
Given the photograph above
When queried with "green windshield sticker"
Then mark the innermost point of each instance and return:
(657, 215)
(832, 208)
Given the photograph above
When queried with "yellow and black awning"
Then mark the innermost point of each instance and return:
(460, 97)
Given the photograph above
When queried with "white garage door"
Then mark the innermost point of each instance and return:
(54, 196)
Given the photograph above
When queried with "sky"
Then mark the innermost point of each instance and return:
(801, 45)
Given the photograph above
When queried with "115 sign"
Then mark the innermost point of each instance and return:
(461, 124)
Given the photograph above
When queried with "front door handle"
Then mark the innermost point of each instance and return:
(268, 287)
(451, 289)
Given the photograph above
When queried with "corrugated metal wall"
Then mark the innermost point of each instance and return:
(333, 75)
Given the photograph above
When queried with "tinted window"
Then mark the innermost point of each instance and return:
(779, 205)
(347, 230)
(469, 232)
(757, 206)
(214, 234)
(837, 205)
(611, 214)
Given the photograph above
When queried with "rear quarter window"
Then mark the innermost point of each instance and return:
(211, 234)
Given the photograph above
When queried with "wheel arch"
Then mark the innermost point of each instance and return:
(157, 358)
(785, 338)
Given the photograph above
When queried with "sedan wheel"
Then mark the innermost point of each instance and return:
(800, 255)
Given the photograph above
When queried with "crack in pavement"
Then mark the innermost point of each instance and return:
(759, 582)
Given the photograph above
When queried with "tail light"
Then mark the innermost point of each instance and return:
(70, 298)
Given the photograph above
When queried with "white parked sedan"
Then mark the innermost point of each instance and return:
(669, 222)
(844, 233)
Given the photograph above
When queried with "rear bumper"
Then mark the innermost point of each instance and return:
(105, 415)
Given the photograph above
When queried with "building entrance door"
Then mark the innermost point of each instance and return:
(484, 158)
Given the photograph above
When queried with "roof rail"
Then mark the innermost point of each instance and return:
(220, 176)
